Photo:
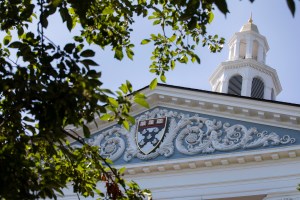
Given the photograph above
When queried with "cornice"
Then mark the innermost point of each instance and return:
(262, 37)
(216, 161)
(251, 110)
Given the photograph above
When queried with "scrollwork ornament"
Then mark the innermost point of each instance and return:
(192, 140)
(111, 145)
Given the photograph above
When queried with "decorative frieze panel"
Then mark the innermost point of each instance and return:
(184, 133)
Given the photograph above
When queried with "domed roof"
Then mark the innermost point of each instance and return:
(249, 26)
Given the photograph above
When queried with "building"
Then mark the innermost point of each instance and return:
(235, 142)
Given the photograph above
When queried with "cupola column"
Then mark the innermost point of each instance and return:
(246, 86)
(224, 86)
(268, 92)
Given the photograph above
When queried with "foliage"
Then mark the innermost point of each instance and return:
(50, 88)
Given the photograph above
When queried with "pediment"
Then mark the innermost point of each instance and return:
(203, 128)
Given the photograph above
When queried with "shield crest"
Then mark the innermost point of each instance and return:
(150, 133)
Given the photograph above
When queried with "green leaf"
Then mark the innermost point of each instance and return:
(292, 7)
(172, 64)
(183, 59)
(197, 58)
(69, 23)
(7, 39)
(119, 53)
(86, 131)
(44, 21)
(163, 78)
(122, 170)
(142, 102)
(172, 39)
(129, 53)
(108, 11)
(156, 22)
(145, 41)
(124, 88)
(113, 102)
(153, 84)
(130, 119)
(89, 62)
(140, 95)
(69, 47)
(210, 17)
(222, 6)
(125, 124)
(105, 117)
(28, 119)
(129, 86)
(66, 17)
(55, 3)
(15, 45)
(87, 53)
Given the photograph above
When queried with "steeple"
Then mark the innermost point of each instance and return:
(245, 72)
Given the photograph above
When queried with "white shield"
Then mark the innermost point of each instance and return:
(150, 133)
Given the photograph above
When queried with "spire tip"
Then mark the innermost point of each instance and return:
(250, 20)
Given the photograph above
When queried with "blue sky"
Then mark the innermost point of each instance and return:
(273, 19)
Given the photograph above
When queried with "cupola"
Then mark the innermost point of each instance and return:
(245, 72)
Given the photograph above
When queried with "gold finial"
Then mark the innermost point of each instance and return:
(250, 20)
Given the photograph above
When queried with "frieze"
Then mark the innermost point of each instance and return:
(188, 134)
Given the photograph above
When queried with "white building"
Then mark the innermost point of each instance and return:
(236, 142)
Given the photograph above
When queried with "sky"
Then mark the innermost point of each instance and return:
(272, 18)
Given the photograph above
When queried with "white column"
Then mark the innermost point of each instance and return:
(246, 87)
(224, 86)
(230, 53)
(267, 92)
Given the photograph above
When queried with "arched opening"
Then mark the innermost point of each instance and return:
(235, 85)
(255, 50)
(242, 53)
(257, 88)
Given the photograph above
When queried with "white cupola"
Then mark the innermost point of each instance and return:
(245, 72)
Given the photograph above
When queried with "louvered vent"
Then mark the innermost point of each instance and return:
(235, 85)
(257, 89)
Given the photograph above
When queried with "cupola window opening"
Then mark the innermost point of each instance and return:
(257, 89)
(242, 53)
(235, 85)
(255, 50)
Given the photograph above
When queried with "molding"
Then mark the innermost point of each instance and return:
(233, 159)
